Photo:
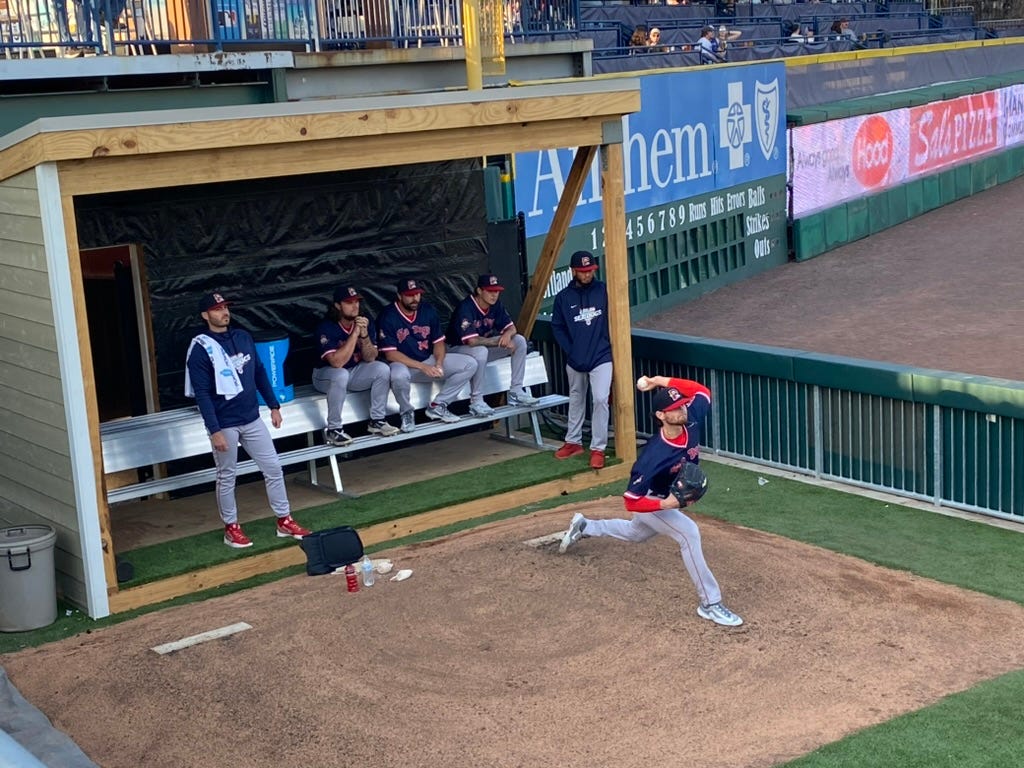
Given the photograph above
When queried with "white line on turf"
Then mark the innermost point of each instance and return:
(213, 634)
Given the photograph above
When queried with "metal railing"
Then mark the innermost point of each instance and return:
(915, 446)
(49, 28)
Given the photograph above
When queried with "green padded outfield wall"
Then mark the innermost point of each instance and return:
(861, 166)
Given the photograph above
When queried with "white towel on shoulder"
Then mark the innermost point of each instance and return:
(226, 377)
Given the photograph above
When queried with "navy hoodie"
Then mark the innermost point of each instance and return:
(219, 412)
(580, 324)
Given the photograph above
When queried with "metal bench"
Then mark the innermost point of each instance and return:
(156, 438)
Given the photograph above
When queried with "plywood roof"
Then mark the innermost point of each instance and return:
(140, 150)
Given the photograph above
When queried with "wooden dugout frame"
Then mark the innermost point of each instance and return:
(151, 150)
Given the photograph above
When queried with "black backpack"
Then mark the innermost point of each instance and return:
(331, 549)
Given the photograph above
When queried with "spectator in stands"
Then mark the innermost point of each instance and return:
(708, 47)
(482, 329)
(223, 373)
(840, 30)
(638, 41)
(654, 42)
(412, 340)
(805, 35)
(348, 363)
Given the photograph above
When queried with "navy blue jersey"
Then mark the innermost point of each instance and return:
(218, 411)
(579, 322)
(661, 459)
(412, 336)
(332, 334)
(470, 319)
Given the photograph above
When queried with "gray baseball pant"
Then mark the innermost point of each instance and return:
(255, 438)
(600, 383)
(484, 355)
(336, 383)
(458, 369)
(675, 525)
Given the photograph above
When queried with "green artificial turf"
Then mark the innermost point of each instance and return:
(968, 554)
(979, 728)
(171, 558)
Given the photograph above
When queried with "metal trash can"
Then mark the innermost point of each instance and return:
(28, 580)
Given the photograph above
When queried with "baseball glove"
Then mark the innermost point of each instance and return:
(690, 484)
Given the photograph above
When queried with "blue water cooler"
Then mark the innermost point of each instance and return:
(272, 349)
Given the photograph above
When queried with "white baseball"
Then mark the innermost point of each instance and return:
(642, 383)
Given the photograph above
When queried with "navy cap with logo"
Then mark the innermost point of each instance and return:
(583, 261)
(489, 283)
(346, 293)
(668, 399)
(211, 301)
(408, 287)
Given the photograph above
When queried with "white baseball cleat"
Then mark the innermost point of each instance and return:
(718, 613)
(576, 527)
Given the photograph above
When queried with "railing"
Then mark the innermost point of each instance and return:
(42, 28)
(949, 439)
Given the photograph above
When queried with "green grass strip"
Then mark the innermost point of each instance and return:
(979, 728)
(70, 621)
(172, 558)
(965, 553)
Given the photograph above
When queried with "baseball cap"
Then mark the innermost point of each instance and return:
(346, 293)
(668, 399)
(584, 261)
(408, 287)
(212, 300)
(489, 283)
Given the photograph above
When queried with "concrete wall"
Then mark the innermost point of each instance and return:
(35, 466)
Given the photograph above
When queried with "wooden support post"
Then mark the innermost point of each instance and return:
(89, 384)
(616, 270)
(555, 238)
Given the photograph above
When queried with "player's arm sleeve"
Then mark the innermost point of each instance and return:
(200, 371)
(559, 327)
(641, 503)
(691, 388)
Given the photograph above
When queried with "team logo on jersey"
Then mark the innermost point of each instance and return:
(766, 106)
(323, 341)
(465, 325)
(402, 334)
(588, 315)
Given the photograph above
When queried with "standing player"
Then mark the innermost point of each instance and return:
(481, 328)
(348, 363)
(679, 406)
(579, 322)
(413, 343)
(223, 373)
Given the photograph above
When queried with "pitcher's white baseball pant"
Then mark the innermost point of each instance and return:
(675, 525)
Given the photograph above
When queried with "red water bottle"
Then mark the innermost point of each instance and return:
(351, 581)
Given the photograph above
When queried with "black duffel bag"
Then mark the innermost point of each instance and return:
(331, 549)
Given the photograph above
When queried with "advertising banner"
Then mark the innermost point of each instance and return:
(841, 160)
(697, 132)
(1012, 108)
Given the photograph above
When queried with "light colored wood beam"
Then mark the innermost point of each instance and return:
(81, 177)
(616, 270)
(381, 533)
(555, 238)
(67, 205)
(99, 144)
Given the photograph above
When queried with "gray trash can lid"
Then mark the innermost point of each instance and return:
(26, 537)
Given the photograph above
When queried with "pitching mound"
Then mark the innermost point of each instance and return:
(497, 653)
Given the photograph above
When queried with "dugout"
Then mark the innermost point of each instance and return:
(68, 183)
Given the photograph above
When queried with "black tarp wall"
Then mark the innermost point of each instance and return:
(277, 248)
